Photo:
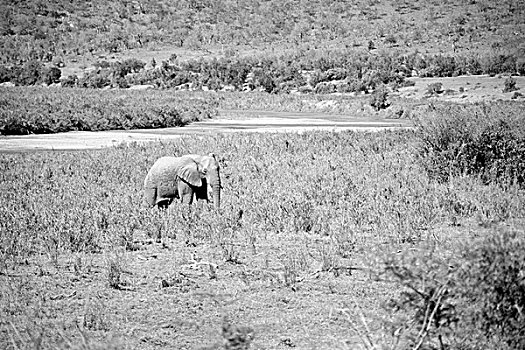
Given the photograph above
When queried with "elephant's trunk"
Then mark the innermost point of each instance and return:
(216, 195)
(215, 183)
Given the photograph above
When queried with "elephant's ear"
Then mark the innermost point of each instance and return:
(190, 173)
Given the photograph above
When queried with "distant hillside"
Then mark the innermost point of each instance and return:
(60, 31)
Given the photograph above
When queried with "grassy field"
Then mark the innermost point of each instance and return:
(388, 240)
(318, 235)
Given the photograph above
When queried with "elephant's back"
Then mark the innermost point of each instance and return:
(161, 181)
(164, 167)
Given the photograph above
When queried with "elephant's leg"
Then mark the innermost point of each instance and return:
(185, 192)
(201, 193)
(164, 204)
(150, 196)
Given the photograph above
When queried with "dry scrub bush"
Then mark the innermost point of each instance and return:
(474, 300)
(481, 140)
(509, 84)
(379, 99)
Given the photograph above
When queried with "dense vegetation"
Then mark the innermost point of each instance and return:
(307, 203)
(49, 110)
(56, 29)
(317, 46)
(482, 140)
(41, 111)
(310, 71)
(470, 299)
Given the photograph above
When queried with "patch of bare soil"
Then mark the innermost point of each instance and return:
(465, 89)
(252, 122)
(182, 295)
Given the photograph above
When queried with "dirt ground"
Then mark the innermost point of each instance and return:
(465, 89)
(251, 122)
(172, 297)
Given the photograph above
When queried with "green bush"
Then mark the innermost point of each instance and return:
(474, 300)
(480, 140)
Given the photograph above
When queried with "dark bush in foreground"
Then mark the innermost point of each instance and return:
(474, 301)
(40, 110)
(479, 140)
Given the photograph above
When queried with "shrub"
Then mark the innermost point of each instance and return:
(479, 293)
(442, 66)
(510, 84)
(70, 81)
(30, 73)
(379, 99)
(520, 66)
(264, 80)
(325, 88)
(480, 140)
(5, 74)
(492, 280)
(57, 61)
(51, 75)
(95, 79)
(131, 65)
(434, 89)
(102, 64)
(515, 95)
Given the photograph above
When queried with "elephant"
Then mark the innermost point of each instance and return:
(183, 178)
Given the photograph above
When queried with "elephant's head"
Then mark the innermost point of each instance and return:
(209, 173)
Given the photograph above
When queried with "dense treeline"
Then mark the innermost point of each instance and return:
(311, 71)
